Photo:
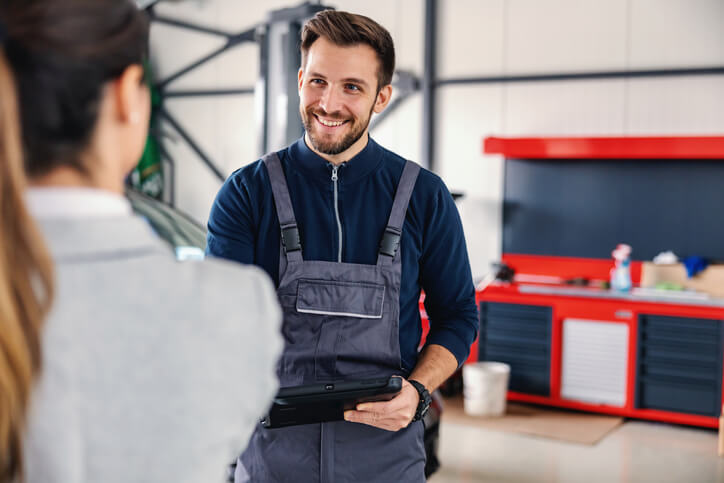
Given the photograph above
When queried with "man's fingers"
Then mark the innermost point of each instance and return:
(371, 419)
(364, 417)
(393, 404)
(389, 422)
(376, 407)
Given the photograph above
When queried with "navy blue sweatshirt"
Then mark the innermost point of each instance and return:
(243, 226)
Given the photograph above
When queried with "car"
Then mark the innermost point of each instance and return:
(186, 237)
(187, 240)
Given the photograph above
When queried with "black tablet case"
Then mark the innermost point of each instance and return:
(316, 403)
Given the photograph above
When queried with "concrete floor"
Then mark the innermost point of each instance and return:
(635, 452)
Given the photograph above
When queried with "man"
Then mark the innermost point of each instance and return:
(350, 232)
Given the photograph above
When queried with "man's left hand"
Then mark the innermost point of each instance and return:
(392, 415)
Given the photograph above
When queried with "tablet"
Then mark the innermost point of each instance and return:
(317, 403)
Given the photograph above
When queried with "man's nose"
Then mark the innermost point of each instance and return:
(330, 100)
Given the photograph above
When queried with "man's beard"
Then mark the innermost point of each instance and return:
(357, 129)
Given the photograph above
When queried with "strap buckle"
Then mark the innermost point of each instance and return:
(390, 242)
(290, 239)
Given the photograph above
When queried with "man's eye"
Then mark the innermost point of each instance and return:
(352, 87)
(316, 81)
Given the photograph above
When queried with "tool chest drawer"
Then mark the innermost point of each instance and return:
(679, 364)
(519, 335)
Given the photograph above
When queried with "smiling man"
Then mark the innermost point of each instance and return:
(351, 233)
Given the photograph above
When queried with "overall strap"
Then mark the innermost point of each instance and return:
(290, 241)
(390, 244)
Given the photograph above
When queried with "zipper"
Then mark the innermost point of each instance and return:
(336, 211)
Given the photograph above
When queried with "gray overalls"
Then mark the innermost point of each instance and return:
(341, 321)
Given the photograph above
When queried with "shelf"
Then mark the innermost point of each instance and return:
(696, 147)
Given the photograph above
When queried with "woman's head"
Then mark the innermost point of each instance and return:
(78, 68)
(72, 98)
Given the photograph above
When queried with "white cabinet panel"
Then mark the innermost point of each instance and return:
(559, 108)
(595, 361)
(482, 219)
(470, 38)
(676, 33)
(401, 131)
(565, 35)
(167, 59)
(404, 19)
(676, 105)
(466, 115)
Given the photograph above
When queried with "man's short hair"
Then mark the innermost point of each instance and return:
(347, 29)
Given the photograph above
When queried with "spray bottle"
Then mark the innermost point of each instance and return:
(621, 272)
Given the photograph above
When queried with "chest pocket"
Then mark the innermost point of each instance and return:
(362, 300)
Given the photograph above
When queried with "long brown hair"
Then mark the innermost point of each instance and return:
(25, 285)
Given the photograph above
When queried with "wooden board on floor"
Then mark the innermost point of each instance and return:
(569, 426)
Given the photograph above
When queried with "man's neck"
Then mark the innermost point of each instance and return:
(344, 156)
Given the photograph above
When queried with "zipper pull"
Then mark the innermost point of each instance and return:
(334, 173)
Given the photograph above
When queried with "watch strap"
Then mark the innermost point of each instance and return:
(425, 399)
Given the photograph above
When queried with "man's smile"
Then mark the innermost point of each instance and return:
(329, 122)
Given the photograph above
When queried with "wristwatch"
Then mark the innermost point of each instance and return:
(425, 400)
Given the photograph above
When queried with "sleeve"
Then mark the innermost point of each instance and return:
(231, 228)
(263, 346)
(446, 278)
(240, 373)
(54, 445)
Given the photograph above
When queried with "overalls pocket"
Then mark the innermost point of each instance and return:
(345, 299)
(353, 336)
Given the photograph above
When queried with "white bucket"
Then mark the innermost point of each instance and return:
(485, 387)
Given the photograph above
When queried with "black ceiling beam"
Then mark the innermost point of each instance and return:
(615, 74)
(428, 86)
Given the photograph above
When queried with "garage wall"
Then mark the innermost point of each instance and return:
(225, 127)
(475, 38)
(514, 37)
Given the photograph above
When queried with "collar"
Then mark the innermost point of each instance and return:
(309, 162)
(73, 202)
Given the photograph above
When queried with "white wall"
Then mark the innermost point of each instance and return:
(476, 38)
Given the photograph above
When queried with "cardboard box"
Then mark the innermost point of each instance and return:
(710, 281)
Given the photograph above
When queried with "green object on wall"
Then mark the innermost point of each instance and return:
(147, 177)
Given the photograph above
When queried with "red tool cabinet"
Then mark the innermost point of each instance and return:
(639, 356)
(658, 360)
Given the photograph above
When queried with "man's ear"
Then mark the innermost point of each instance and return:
(128, 91)
(383, 98)
(300, 78)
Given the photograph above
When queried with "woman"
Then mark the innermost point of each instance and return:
(23, 305)
(153, 370)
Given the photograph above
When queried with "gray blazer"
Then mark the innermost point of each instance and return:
(153, 370)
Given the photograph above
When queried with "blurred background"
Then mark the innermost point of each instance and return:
(493, 68)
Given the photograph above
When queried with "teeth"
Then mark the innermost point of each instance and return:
(330, 123)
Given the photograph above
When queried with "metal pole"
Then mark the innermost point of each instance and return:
(210, 92)
(190, 26)
(164, 114)
(559, 76)
(261, 94)
(234, 40)
(428, 86)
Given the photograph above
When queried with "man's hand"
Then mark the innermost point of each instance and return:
(392, 415)
(434, 365)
